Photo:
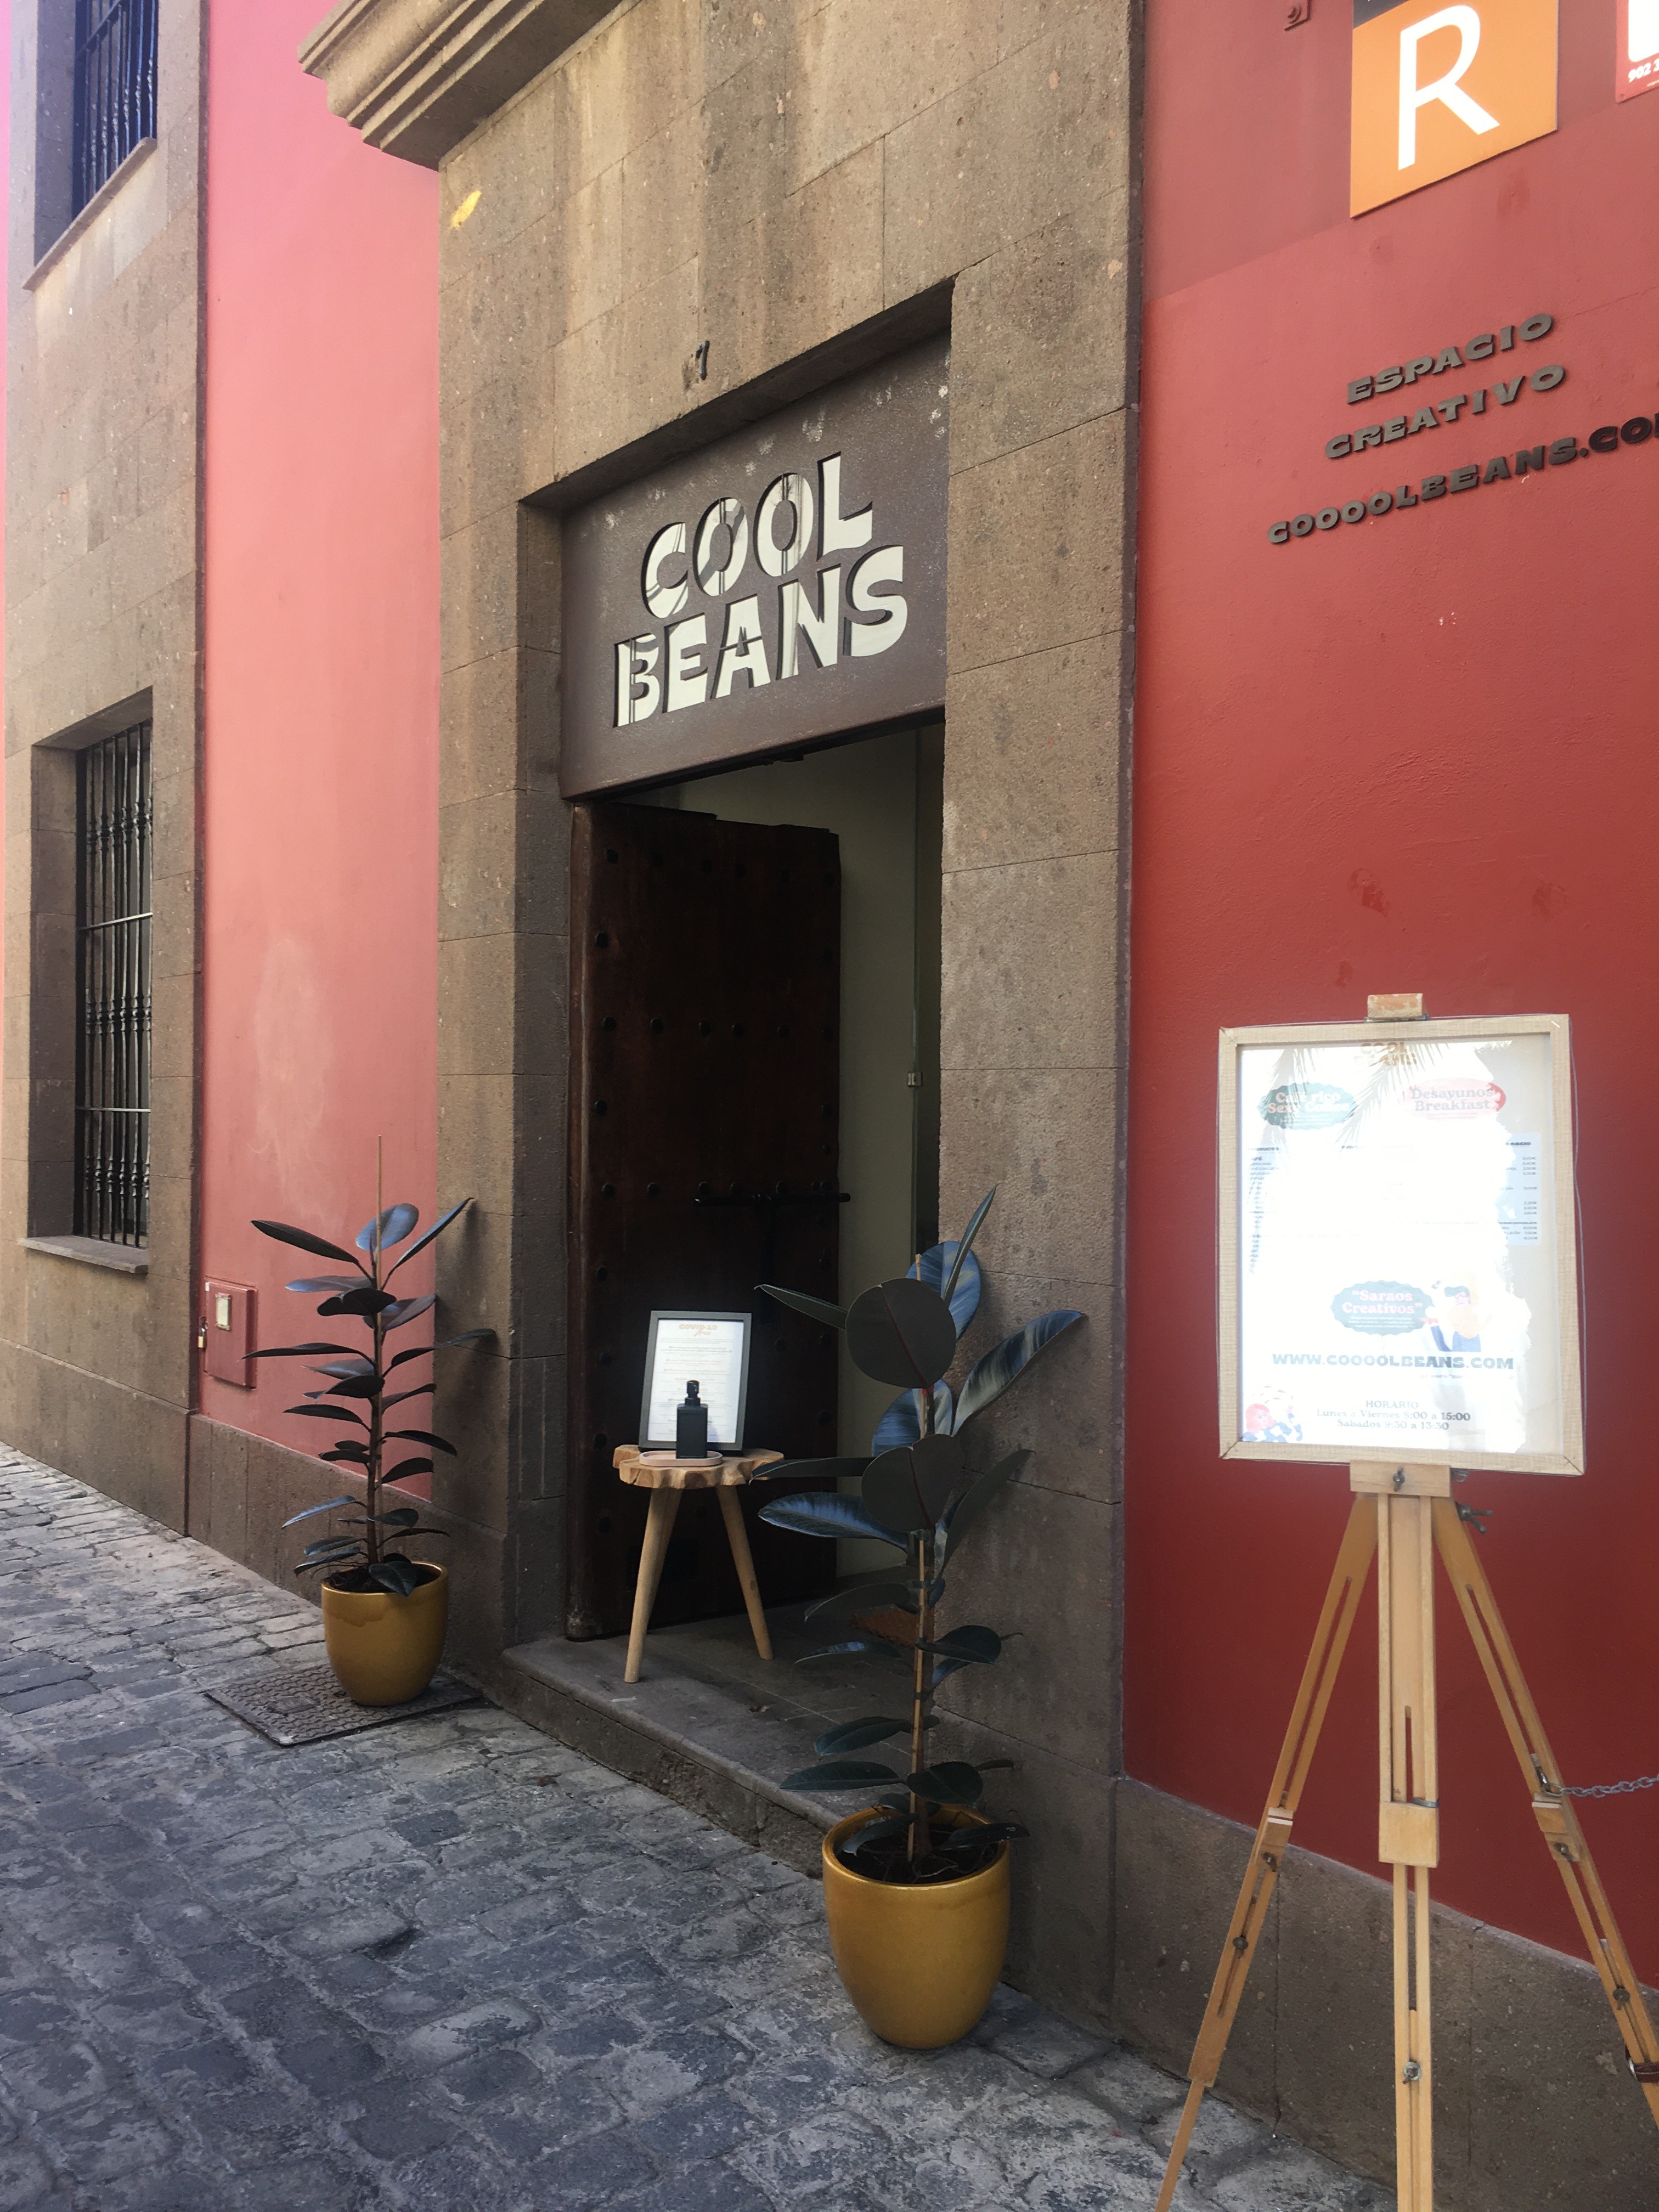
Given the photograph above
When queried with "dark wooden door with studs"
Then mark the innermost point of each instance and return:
(704, 1158)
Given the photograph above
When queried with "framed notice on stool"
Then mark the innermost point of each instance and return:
(709, 1349)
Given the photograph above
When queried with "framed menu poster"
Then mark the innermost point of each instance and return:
(711, 1349)
(1398, 1246)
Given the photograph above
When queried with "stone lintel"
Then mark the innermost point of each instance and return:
(415, 76)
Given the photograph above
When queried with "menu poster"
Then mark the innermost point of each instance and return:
(708, 1349)
(1399, 1260)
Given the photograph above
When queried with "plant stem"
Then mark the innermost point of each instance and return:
(922, 1567)
(378, 1333)
(921, 1572)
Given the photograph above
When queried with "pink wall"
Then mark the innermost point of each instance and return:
(320, 803)
(1417, 754)
(5, 171)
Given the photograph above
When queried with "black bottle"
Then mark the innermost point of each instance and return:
(691, 1426)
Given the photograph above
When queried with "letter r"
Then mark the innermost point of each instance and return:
(1447, 89)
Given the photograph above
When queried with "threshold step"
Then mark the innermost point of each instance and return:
(709, 1724)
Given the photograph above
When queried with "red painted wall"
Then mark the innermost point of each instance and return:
(320, 805)
(1418, 753)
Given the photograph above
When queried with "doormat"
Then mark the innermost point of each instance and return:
(305, 1704)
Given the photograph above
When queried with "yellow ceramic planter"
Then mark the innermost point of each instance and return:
(919, 1964)
(385, 1649)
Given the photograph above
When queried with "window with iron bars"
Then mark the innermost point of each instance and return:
(114, 88)
(112, 957)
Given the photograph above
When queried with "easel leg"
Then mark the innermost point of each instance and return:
(658, 1526)
(1414, 2106)
(731, 1511)
(1408, 1820)
(1261, 1876)
(1552, 1807)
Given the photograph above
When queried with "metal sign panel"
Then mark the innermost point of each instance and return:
(780, 586)
(1437, 89)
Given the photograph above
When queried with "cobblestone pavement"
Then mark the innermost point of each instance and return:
(449, 1963)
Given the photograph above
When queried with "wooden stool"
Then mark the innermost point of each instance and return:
(665, 1477)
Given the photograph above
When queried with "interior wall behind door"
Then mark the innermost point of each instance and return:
(881, 796)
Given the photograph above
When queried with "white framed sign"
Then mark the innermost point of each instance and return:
(1397, 1246)
(709, 1349)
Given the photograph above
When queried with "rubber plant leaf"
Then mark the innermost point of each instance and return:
(814, 1309)
(420, 1436)
(354, 1454)
(333, 1547)
(878, 1832)
(404, 1469)
(959, 1516)
(840, 1774)
(952, 1783)
(816, 1470)
(402, 1516)
(327, 1414)
(420, 1351)
(403, 1310)
(305, 1241)
(982, 1647)
(964, 1247)
(399, 1575)
(324, 1283)
(964, 1842)
(301, 1351)
(311, 1511)
(362, 1302)
(933, 1267)
(823, 1513)
(421, 1242)
(421, 1390)
(350, 1362)
(876, 1643)
(351, 1386)
(901, 1332)
(990, 1377)
(902, 1423)
(393, 1226)
(853, 1735)
(908, 1488)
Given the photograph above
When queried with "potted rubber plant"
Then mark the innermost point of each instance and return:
(916, 1882)
(384, 1614)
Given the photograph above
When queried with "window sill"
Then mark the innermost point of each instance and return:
(124, 1259)
(89, 214)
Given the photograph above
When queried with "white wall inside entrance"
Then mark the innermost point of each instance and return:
(876, 795)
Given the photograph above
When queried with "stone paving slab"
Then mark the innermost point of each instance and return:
(451, 1963)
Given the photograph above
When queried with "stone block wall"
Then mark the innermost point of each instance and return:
(802, 188)
(1534, 2106)
(102, 629)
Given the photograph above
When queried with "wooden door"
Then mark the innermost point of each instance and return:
(704, 1156)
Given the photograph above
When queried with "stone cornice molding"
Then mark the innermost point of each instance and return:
(415, 76)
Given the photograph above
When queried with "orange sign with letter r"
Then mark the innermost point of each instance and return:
(1439, 85)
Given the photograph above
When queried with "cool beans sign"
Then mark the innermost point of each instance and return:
(779, 586)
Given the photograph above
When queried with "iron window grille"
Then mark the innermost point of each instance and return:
(114, 88)
(112, 963)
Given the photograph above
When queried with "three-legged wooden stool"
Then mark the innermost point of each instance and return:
(665, 1477)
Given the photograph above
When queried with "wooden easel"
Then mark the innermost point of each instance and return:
(1403, 1514)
